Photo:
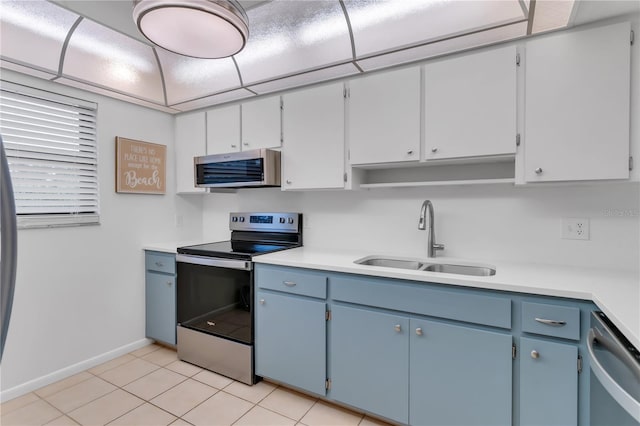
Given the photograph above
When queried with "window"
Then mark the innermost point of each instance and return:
(50, 142)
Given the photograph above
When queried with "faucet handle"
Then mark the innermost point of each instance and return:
(438, 246)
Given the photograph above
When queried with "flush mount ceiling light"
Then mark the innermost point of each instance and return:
(197, 28)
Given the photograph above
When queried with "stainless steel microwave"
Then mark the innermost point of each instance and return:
(255, 168)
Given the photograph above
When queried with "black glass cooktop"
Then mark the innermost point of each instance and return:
(234, 249)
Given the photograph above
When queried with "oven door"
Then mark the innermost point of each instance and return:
(214, 296)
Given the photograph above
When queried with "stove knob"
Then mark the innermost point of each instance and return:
(234, 219)
(241, 218)
(282, 220)
(290, 220)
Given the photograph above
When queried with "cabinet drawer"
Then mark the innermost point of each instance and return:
(160, 262)
(423, 299)
(551, 320)
(292, 280)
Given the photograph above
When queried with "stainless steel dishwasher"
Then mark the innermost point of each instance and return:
(615, 375)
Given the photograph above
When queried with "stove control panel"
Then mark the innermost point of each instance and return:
(265, 222)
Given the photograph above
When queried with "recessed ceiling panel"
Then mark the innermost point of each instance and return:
(452, 45)
(551, 15)
(101, 56)
(188, 78)
(287, 37)
(306, 78)
(380, 26)
(208, 101)
(33, 32)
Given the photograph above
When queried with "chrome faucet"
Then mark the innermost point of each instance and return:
(431, 235)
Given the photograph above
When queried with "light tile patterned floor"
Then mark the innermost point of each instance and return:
(152, 387)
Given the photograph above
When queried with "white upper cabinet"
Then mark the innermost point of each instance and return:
(577, 105)
(313, 146)
(261, 123)
(384, 117)
(190, 141)
(470, 105)
(223, 130)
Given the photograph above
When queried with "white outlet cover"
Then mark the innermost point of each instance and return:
(575, 228)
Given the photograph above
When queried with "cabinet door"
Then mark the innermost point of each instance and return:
(577, 105)
(290, 340)
(370, 361)
(190, 141)
(470, 105)
(313, 129)
(548, 383)
(223, 130)
(384, 117)
(459, 375)
(160, 303)
(261, 124)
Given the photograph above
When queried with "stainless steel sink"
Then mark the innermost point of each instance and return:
(418, 265)
(390, 263)
(481, 271)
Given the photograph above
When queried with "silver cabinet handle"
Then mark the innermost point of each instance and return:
(553, 323)
(410, 152)
(169, 283)
(288, 181)
(245, 143)
(289, 283)
(434, 149)
(159, 264)
(397, 328)
(535, 354)
(419, 331)
(234, 146)
(538, 171)
(262, 301)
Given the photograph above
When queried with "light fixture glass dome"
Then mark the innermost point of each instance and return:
(197, 28)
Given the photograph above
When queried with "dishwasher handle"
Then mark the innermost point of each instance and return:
(617, 392)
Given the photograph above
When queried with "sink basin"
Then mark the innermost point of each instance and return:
(481, 271)
(418, 265)
(391, 263)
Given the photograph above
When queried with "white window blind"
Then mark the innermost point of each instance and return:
(50, 142)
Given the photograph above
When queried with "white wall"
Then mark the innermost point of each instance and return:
(480, 222)
(80, 290)
(477, 222)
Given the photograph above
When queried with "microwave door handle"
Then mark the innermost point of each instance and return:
(616, 391)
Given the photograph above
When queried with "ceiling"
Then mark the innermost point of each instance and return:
(95, 45)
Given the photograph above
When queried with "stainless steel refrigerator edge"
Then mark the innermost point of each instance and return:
(8, 247)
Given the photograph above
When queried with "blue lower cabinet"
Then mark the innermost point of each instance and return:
(548, 383)
(369, 359)
(459, 375)
(290, 340)
(160, 312)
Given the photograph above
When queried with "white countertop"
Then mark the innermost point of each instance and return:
(616, 293)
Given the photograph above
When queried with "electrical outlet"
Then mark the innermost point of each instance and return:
(574, 228)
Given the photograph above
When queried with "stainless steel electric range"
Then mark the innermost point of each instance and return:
(215, 292)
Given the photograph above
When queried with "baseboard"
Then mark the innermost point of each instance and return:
(63, 373)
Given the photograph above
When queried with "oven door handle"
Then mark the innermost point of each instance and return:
(616, 391)
(216, 262)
